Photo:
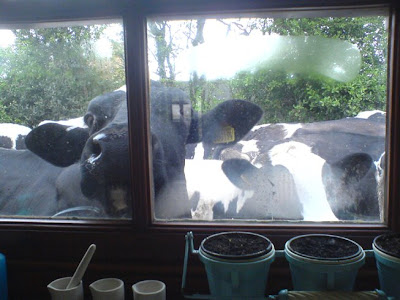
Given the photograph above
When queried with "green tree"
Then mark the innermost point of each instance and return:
(51, 73)
(302, 98)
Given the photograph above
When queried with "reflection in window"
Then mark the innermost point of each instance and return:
(48, 75)
(317, 151)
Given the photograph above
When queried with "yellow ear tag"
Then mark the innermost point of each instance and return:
(225, 135)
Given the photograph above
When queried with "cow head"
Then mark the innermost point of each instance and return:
(102, 149)
(351, 187)
(274, 192)
(298, 192)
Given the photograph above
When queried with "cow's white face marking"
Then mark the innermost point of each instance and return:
(13, 131)
(306, 169)
(118, 198)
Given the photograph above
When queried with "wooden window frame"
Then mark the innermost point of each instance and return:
(39, 251)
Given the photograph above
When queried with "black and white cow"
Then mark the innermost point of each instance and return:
(322, 171)
(28, 190)
(33, 187)
(12, 136)
(101, 150)
(70, 199)
(74, 122)
(215, 195)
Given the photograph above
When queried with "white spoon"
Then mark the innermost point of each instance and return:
(81, 269)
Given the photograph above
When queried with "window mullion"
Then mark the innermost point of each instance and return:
(394, 136)
(136, 79)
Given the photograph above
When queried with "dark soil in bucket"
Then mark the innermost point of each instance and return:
(389, 244)
(236, 245)
(325, 247)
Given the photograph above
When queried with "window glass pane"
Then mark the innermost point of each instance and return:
(303, 138)
(51, 79)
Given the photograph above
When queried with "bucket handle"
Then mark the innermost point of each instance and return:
(189, 245)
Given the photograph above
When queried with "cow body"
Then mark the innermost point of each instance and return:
(12, 136)
(322, 171)
(70, 199)
(211, 194)
(214, 195)
(30, 191)
(335, 163)
(101, 149)
(41, 189)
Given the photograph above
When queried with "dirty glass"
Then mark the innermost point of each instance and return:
(268, 118)
(55, 141)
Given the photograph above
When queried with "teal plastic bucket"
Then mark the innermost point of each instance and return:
(388, 270)
(235, 277)
(319, 274)
(241, 279)
(3, 277)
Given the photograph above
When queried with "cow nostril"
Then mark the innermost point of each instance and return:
(96, 148)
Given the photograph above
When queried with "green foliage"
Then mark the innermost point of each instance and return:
(52, 73)
(3, 115)
(301, 98)
(286, 98)
(292, 96)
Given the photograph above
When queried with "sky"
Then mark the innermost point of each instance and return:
(6, 38)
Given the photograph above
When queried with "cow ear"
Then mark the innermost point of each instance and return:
(240, 172)
(227, 123)
(58, 144)
(354, 167)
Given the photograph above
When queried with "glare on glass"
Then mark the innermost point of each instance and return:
(307, 142)
(252, 119)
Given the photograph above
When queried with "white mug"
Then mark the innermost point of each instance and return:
(58, 291)
(149, 290)
(108, 289)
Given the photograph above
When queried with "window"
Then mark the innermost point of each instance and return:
(306, 143)
(49, 73)
(315, 151)
(133, 246)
